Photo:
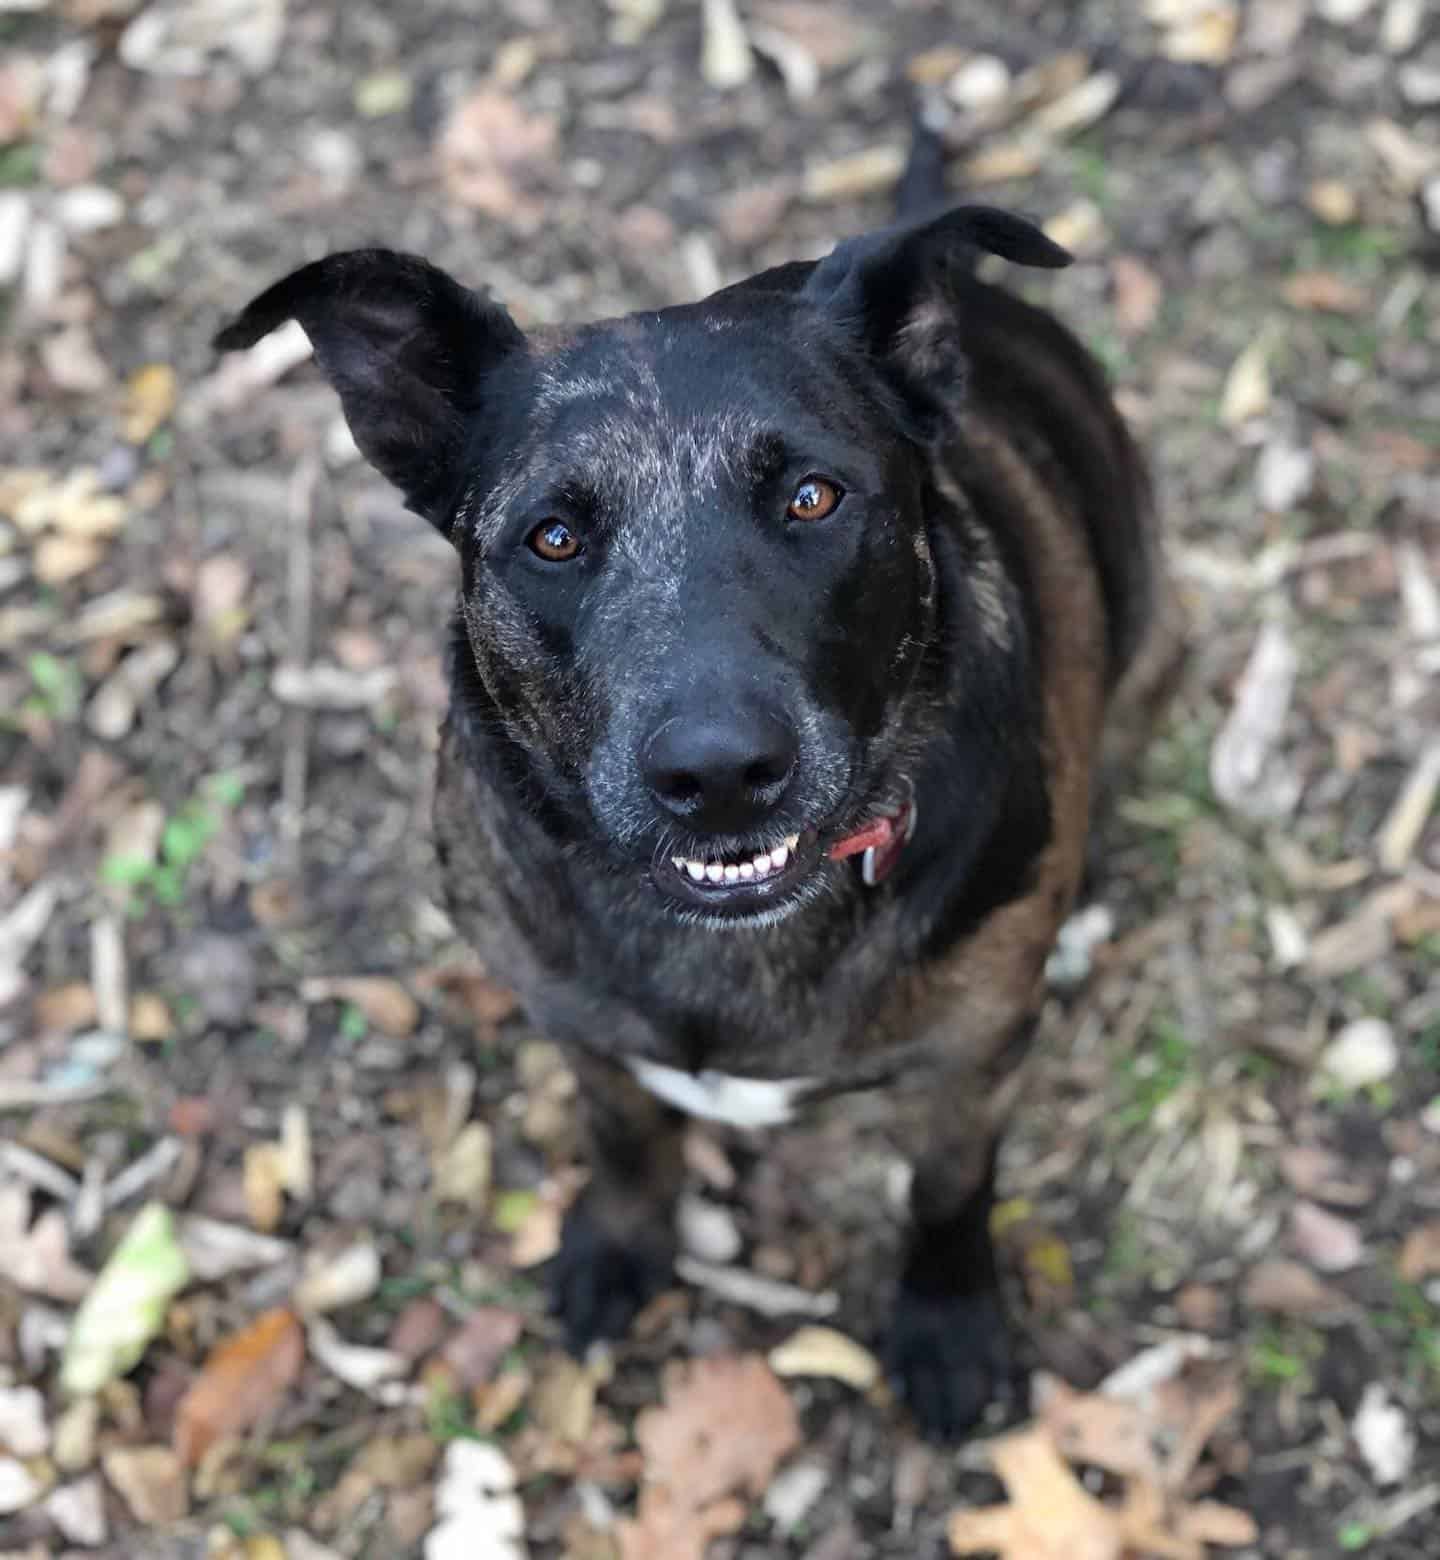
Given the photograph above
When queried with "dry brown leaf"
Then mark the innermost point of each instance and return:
(150, 396)
(562, 1402)
(490, 149)
(682, 1440)
(61, 558)
(1138, 294)
(1247, 385)
(462, 1169)
(822, 1351)
(244, 1378)
(64, 1009)
(474, 1351)
(1050, 1517)
(1327, 292)
(1289, 1289)
(1112, 1433)
(384, 1002)
(1420, 1255)
(151, 1481)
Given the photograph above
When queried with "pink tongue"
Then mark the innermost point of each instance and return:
(876, 834)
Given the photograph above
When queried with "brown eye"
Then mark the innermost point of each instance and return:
(814, 499)
(553, 541)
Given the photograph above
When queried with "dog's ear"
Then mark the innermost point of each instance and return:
(407, 347)
(887, 289)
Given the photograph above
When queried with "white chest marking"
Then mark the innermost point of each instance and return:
(714, 1096)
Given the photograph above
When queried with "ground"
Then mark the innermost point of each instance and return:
(221, 683)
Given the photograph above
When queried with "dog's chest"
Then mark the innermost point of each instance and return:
(717, 1096)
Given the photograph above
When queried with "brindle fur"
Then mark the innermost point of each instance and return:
(1022, 555)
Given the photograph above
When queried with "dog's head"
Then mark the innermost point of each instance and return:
(698, 582)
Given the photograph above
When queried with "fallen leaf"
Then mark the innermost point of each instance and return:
(1205, 36)
(1324, 1240)
(1363, 1053)
(150, 396)
(490, 152)
(36, 1258)
(64, 1009)
(1325, 291)
(1050, 1516)
(1247, 386)
(1138, 294)
(869, 172)
(346, 1278)
(60, 558)
(126, 1307)
(384, 1002)
(1245, 769)
(479, 1515)
(726, 60)
(377, 1372)
(1288, 1289)
(822, 1351)
(243, 1380)
(692, 1473)
(1333, 202)
(214, 1250)
(151, 1482)
(462, 1169)
(1420, 1254)
(474, 1351)
(562, 1401)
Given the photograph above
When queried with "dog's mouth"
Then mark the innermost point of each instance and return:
(758, 880)
(743, 881)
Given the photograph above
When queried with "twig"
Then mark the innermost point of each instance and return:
(38, 1171)
(26, 1094)
(755, 1292)
(304, 486)
(151, 1166)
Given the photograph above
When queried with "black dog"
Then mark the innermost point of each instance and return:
(788, 625)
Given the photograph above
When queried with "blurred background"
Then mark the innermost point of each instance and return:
(226, 990)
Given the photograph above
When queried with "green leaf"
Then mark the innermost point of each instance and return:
(126, 1307)
(126, 869)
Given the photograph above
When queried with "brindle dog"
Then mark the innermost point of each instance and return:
(788, 625)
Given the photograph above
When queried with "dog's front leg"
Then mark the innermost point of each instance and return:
(948, 1348)
(617, 1249)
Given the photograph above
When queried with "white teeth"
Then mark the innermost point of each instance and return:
(678, 862)
(756, 870)
(761, 865)
(732, 874)
(779, 856)
(696, 869)
(715, 872)
(746, 870)
(791, 841)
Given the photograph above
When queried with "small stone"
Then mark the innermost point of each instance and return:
(1430, 203)
(1333, 202)
(1326, 1241)
(1283, 476)
(708, 1230)
(793, 1493)
(1363, 1053)
(344, 1279)
(1343, 13)
(1384, 1436)
(980, 86)
(1400, 26)
(78, 1510)
(24, 1430)
(89, 208)
(1419, 82)
(19, 1487)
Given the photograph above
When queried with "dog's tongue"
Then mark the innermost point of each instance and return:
(876, 834)
(881, 840)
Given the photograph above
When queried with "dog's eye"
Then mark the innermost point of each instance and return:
(814, 499)
(553, 541)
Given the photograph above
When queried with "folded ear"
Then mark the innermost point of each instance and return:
(407, 347)
(888, 288)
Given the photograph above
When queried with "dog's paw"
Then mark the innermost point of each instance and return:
(948, 1357)
(599, 1283)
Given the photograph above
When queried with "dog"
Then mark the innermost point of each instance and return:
(793, 626)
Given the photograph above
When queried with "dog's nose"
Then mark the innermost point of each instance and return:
(721, 773)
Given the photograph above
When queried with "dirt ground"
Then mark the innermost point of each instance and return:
(220, 683)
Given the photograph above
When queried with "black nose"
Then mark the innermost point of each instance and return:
(722, 773)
